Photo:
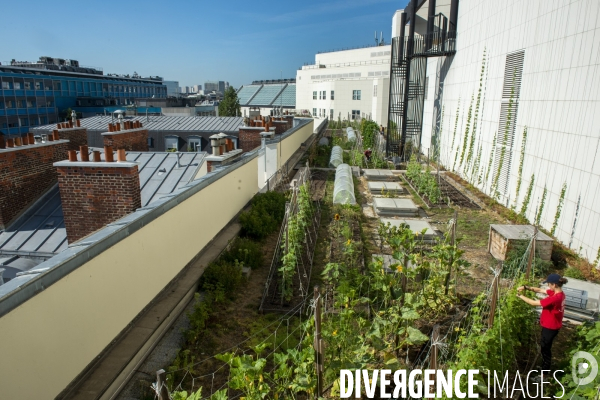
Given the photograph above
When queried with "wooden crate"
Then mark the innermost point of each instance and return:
(503, 237)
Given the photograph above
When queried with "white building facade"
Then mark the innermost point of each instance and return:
(516, 111)
(346, 85)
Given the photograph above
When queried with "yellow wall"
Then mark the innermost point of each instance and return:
(292, 143)
(53, 336)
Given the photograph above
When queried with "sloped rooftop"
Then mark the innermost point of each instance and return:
(246, 92)
(162, 123)
(40, 232)
(266, 95)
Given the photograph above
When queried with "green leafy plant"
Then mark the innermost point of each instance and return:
(470, 153)
(265, 215)
(507, 132)
(424, 182)
(538, 216)
(491, 159)
(527, 198)
(466, 136)
(561, 200)
(521, 161)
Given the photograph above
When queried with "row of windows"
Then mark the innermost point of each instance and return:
(83, 87)
(25, 104)
(356, 94)
(31, 121)
(321, 113)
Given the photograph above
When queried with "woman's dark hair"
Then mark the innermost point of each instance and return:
(562, 281)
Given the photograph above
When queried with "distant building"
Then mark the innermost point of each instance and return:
(211, 86)
(180, 131)
(172, 88)
(348, 84)
(267, 97)
(37, 93)
(196, 88)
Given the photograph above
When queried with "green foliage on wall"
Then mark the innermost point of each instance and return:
(495, 192)
(466, 137)
(491, 160)
(470, 154)
(538, 217)
(561, 200)
(521, 161)
(527, 196)
(454, 134)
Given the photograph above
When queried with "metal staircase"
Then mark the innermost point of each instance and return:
(407, 79)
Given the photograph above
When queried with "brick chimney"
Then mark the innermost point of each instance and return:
(76, 135)
(128, 135)
(249, 137)
(223, 152)
(96, 193)
(26, 172)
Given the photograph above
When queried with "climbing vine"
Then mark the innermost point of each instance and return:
(454, 134)
(538, 217)
(491, 160)
(466, 138)
(293, 240)
(495, 192)
(521, 160)
(561, 200)
(527, 197)
(470, 154)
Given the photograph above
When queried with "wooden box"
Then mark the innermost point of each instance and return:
(503, 237)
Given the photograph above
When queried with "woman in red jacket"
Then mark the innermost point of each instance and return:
(553, 311)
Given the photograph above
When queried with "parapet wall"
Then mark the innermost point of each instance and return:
(56, 324)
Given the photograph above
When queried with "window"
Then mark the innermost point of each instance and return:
(6, 85)
(332, 95)
(27, 85)
(49, 103)
(10, 104)
(356, 95)
(24, 121)
(355, 114)
(331, 114)
(38, 85)
(20, 104)
(314, 95)
(13, 124)
(324, 94)
(30, 104)
(56, 85)
(150, 142)
(18, 85)
(426, 86)
(374, 90)
(195, 144)
(172, 143)
(43, 120)
(314, 112)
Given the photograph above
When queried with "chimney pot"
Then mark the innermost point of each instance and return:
(96, 156)
(121, 157)
(17, 141)
(58, 126)
(108, 154)
(55, 135)
(51, 138)
(70, 124)
(110, 127)
(72, 155)
(2, 143)
(118, 126)
(25, 140)
(31, 138)
(78, 123)
(85, 154)
(10, 143)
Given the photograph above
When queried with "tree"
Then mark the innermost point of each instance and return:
(230, 106)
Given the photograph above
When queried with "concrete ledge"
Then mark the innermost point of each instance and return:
(103, 164)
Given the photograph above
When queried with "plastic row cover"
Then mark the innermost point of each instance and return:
(343, 188)
(337, 156)
(350, 134)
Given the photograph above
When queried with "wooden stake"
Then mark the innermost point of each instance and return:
(531, 253)
(494, 301)
(318, 343)
(161, 385)
(452, 242)
(433, 353)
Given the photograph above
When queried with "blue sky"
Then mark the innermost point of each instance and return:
(192, 41)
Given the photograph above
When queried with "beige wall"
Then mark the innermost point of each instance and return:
(53, 336)
(292, 143)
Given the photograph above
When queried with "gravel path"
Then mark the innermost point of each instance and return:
(163, 354)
